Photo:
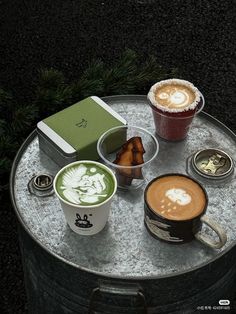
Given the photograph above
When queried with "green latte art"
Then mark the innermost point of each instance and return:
(85, 184)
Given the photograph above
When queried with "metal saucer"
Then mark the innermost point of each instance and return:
(212, 163)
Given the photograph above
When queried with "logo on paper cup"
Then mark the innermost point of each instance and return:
(83, 222)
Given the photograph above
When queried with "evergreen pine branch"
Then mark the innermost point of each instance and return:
(3, 125)
(8, 145)
(24, 118)
(94, 71)
(49, 101)
(8, 149)
(7, 105)
(85, 87)
(6, 99)
(50, 79)
(151, 72)
(51, 92)
(128, 75)
(126, 65)
(90, 83)
(5, 168)
(65, 94)
(5, 165)
(120, 78)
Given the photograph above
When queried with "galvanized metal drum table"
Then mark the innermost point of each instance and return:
(123, 269)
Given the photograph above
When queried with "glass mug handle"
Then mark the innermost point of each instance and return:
(218, 230)
(201, 104)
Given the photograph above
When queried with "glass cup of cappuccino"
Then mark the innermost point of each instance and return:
(85, 189)
(174, 211)
(174, 104)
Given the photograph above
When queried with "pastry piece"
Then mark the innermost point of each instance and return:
(131, 154)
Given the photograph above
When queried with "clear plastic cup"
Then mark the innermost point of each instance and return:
(174, 124)
(110, 143)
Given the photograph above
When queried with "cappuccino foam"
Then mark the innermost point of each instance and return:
(176, 197)
(174, 95)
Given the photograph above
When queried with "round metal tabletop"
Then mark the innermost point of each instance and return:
(124, 248)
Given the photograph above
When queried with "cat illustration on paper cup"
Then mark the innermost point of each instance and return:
(85, 189)
(174, 103)
(174, 211)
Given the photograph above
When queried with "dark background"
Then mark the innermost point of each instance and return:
(197, 37)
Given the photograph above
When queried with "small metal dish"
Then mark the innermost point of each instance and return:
(212, 163)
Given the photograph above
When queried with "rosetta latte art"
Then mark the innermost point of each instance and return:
(83, 185)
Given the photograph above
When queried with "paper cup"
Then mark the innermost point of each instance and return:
(84, 218)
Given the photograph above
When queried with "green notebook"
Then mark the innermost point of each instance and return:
(76, 129)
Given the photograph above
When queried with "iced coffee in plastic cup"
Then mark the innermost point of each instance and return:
(174, 104)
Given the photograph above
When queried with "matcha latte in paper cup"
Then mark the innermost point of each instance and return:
(174, 104)
(85, 190)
